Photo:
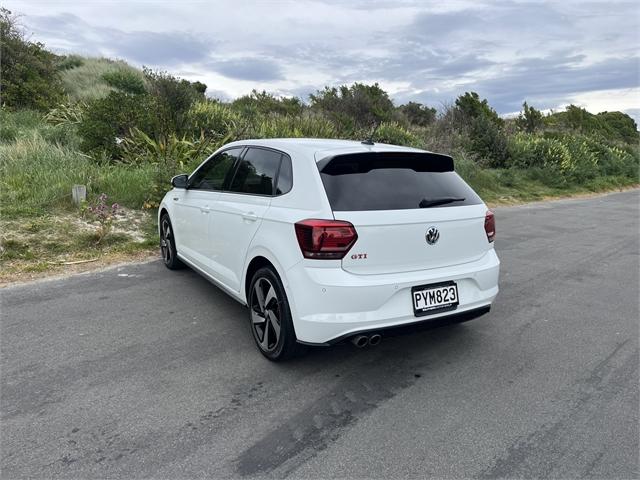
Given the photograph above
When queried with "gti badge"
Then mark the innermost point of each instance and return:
(432, 235)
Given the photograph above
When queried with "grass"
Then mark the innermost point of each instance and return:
(41, 162)
(86, 82)
(40, 229)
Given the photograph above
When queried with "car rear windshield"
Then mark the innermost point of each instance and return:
(393, 181)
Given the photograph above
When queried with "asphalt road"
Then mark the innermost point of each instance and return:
(142, 372)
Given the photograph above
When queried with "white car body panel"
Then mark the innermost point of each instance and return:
(220, 233)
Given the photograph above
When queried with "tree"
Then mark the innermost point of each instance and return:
(610, 125)
(355, 107)
(199, 87)
(529, 119)
(173, 98)
(489, 142)
(484, 128)
(418, 114)
(622, 124)
(29, 78)
(469, 107)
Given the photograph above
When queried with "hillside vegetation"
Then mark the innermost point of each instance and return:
(124, 132)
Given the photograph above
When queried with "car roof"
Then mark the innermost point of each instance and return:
(320, 148)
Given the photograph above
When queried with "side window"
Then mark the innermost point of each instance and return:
(214, 174)
(285, 176)
(256, 172)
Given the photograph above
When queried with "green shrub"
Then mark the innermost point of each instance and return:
(527, 151)
(108, 121)
(469, 107)
(530, 119)
(489, 142)
(66, 114)
(354, 107)
(127, 81)
(213, 119)
(172, 100)
(394, 133)
(418, 114)
(68, 62)
(167, 157)
(263, 103)
(29, 77)
(278, 126)
(622, 124)
(584, 159)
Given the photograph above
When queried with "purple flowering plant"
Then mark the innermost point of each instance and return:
(104, 214)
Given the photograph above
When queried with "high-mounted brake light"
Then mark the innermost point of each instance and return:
(490, 226)
(325, 239)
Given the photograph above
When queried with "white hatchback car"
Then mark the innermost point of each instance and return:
(325, 240)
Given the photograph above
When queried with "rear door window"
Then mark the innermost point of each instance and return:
(216, 173)
(256, 172)
(394, 181)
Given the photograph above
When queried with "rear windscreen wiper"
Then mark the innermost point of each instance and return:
(432, 202)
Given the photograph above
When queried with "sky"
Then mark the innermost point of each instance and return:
(550, 54)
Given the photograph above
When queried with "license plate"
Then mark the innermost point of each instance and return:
(435, 298)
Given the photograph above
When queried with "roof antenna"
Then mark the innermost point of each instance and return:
(369, 140)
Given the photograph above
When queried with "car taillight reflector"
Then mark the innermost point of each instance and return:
(325, 239)
(490, 226)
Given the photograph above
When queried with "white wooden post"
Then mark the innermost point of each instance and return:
(78, 194)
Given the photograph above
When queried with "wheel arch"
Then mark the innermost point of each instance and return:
(162, 211)
(260, 257)
(256, 263)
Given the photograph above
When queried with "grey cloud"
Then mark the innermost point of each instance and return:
(248, 68)
(487, 20)
(436, 27)
(544, 82)
(143, 47)
(152, 48)
(549, 79)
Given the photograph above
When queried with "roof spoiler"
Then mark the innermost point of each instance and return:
(363, 162)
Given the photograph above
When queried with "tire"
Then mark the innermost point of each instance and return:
(168, 245)
(270, 317)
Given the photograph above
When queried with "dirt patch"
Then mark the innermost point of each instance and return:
(65, 243)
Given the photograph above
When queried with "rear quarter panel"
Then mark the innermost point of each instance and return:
(276, 238)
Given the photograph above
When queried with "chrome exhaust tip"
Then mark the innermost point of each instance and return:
(375, 339)
(360, 340)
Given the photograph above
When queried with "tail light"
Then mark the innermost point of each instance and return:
(325, 239)
(490, 226)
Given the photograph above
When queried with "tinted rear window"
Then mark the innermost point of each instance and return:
(392, 181)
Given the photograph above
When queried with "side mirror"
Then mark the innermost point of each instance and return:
(180, 181)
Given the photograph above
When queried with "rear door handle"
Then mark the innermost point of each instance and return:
(205, 209)
(250, 216)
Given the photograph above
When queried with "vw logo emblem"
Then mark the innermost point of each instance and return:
(432, 235)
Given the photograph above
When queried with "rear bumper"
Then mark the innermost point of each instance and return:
(329, 304)
(422, 324)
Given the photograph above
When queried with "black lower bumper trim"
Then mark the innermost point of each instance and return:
(422, 324)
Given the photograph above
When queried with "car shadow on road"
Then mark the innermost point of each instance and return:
(397, 344)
